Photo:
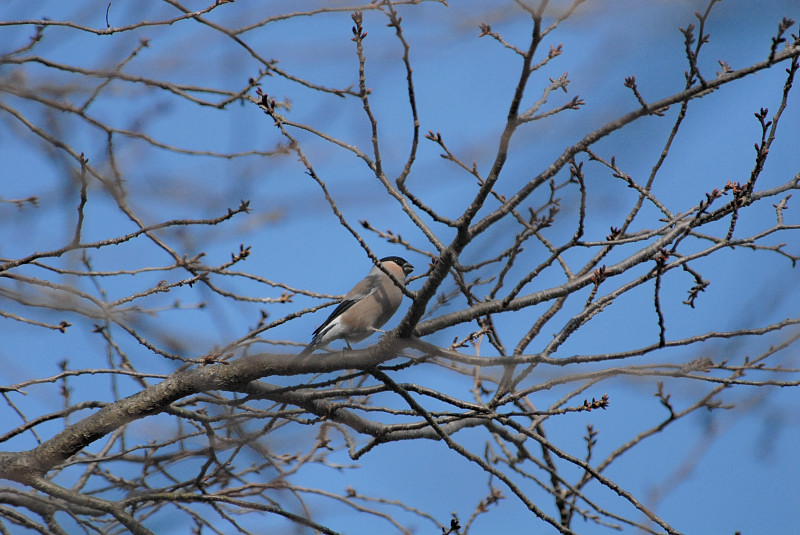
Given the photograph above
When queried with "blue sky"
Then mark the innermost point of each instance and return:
(747, 476)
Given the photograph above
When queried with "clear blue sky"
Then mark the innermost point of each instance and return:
(747, 476)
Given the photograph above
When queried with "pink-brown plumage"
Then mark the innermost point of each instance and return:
(365, 308)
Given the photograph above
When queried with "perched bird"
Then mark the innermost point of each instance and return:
(365, 308)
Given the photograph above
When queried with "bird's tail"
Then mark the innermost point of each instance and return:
(310, 347)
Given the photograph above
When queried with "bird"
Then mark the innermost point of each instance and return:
(365, 308)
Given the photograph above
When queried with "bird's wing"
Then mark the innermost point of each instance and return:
(365, 287)
(361, 290)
